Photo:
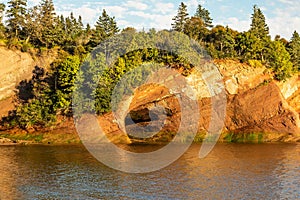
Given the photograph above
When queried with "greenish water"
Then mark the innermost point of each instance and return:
(231, 171)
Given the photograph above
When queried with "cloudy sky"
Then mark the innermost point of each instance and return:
(283, 16)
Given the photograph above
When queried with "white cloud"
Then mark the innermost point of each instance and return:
(235, 23)
(123, 23)
(88, 14)
(162, 22)
(158, 21)
(136, 5)
(286, 27)
(193, 3)
(164, 8)
(285, 19)
(117, 11)
(142, 14)
(282, 20)
(282, 16)
(290, 2)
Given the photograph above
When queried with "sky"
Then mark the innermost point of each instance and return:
(282, 16)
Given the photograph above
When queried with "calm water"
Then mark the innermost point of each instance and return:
(231, 171)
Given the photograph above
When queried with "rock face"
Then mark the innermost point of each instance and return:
(262, 109)
(16, 66)
(255, 104)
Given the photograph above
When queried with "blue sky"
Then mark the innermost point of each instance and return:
(283, 16)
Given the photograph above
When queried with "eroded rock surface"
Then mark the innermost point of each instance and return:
(255, 103)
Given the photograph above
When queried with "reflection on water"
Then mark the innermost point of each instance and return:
(231, 171)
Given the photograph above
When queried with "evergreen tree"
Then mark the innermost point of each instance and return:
(65, 73)
(280, 62)
(60, 30)
(294, 49)
(204, 14)
(2, 27)
(181, 18)
(258, 25)
(106, 26)
(283, 40)
(260, 39)
(223, 40)
(16, 17)
(34, 105)
(195, 29)
(244, 40)
(47, 20)
(2, 9)
(88, 32)
(33, 26)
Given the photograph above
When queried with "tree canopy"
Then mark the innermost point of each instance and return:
(204, 14)
(181, 18)
(49, 92)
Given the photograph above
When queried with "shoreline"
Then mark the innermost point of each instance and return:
(72, 138)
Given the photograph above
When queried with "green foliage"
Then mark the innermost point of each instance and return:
(29, 137)
(65, 76)
(99, 80)
(223, 41)
(195, 29)
(2, 27)
(181, 18)
(34, 113)
(47, 22)
(204, 15)
(106, 26)
(255, 63)
(34, 106)
(258, 25)
(26, 47)
(251, 47)
(294, 50)
(16, 17)
(244, 137)
(280, 62)
(40, 99)
(14, 43)
(260, 35)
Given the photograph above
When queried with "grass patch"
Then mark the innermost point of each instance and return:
(27, 137)
(256, 137)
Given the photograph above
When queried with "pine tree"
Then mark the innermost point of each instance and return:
(66, 72)
(2, 27)
(16, 17)
(80, 24)
(204, 14)
(280, 62)
(294, 49)
(33, 26)
(223, 40)
(60, 30)
(47, 12)
(181, 18)
(260, 34)
(106, 26)
(258, 25)
(2, 9)
(195, 29)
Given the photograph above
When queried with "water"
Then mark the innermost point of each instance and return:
(231, 171)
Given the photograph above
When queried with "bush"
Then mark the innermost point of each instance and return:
(26, 47)
(14, 43)
(255, 63)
